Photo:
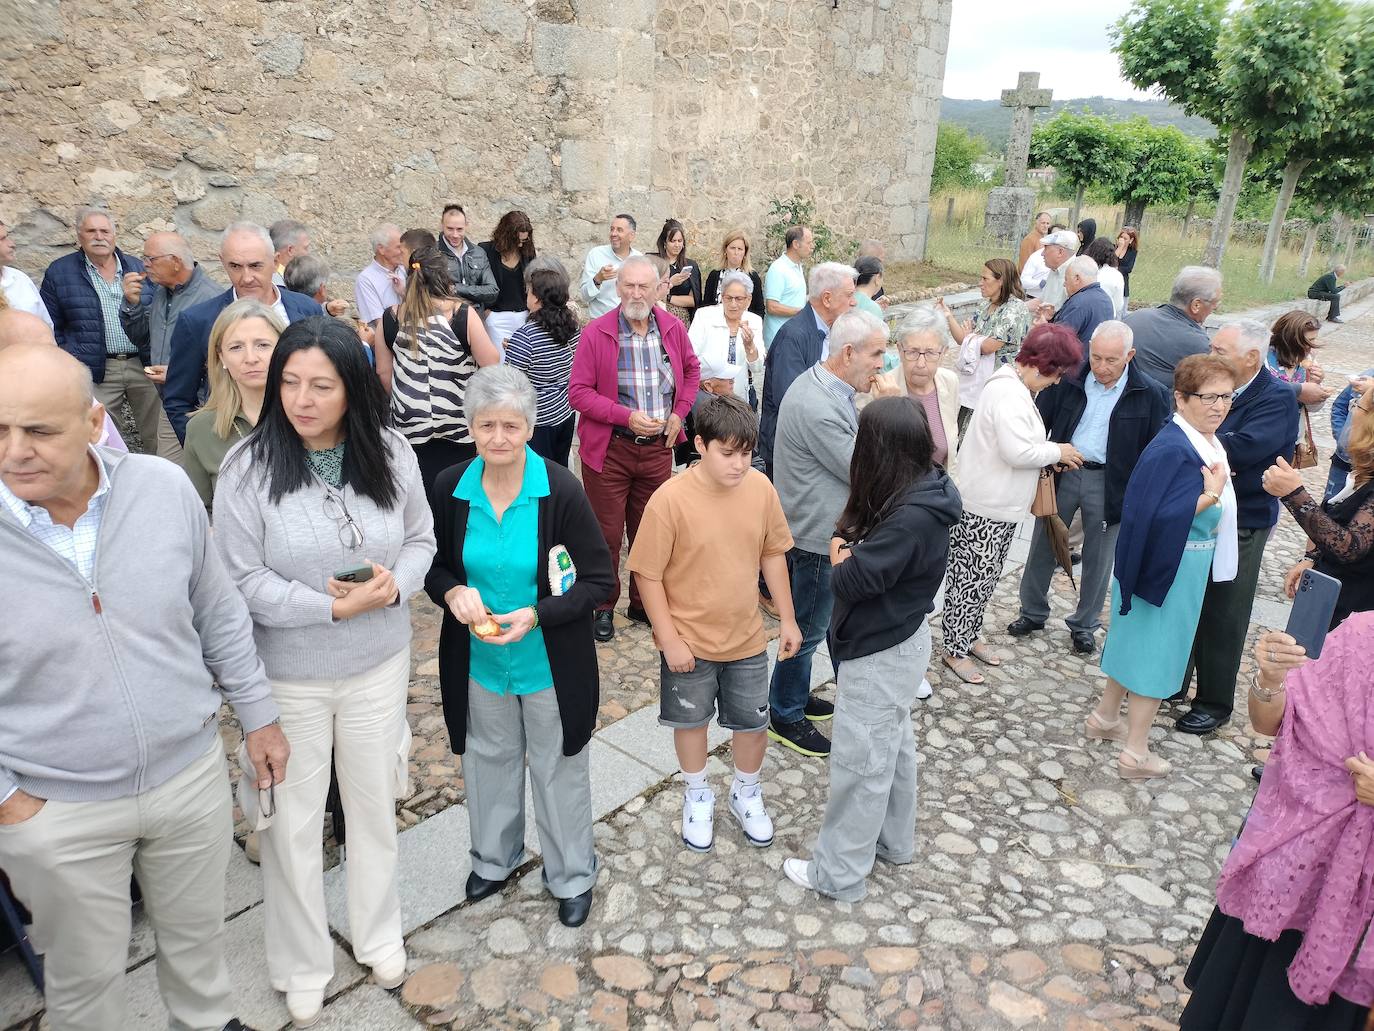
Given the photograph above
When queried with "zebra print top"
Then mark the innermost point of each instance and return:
(427, 387)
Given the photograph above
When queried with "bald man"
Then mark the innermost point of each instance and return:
(150, 318)
(111, 763)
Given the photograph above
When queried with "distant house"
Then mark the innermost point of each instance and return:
(1042, 176)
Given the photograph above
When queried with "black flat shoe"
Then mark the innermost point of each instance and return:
(573, 912)
(479, 888)
(1195, 721)
(603, 626)
(1021, 626)
(637, 615)
(1257, 771)
(1084, 641)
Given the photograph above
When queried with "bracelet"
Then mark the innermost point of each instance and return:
(1265, 694)
(535, 609)
(1213, 495)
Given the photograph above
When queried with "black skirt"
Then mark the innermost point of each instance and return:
(1240, 983)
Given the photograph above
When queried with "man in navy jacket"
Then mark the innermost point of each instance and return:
(1261, 426)
(1088, 305)
(83, 292)
(248, 258)
(1110, 411)
(800, 343)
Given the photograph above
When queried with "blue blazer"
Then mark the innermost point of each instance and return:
(77, 320)
(1160, 503)
(1084, 312)
(186, 378)
(1261, 426)
(797, 346)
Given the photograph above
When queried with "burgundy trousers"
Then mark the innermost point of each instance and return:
(619, 492)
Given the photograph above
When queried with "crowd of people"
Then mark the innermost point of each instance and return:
(751, 444)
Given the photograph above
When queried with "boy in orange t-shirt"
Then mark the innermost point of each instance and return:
(704, 538)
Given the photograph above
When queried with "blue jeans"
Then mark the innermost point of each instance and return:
(1335, 480)
(812, 602)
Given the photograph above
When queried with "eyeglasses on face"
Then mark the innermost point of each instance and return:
(1211, 400)
(911, 354)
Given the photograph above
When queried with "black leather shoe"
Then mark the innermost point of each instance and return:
(573, 912)
(1084, 641)
(637, 615)
(1257, 771)
(1021, 626)
(603, 625)
(237, 1025)
(479, 888)
(1196, 721)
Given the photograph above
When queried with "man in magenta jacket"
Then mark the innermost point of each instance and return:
(633, 381)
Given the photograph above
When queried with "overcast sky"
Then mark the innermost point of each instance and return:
(1065, 41)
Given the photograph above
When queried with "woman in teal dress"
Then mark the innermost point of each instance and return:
(1178, 529)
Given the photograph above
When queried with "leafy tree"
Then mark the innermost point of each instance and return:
(798, 211)
(1083, 148)
(956, 152)
(1157, 165)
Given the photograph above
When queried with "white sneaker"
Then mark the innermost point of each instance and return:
(698, 820)
(746, 802)
(391, 972)
(305, 1007)
(796, 871)
(925, 690)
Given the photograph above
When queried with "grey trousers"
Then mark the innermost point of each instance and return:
(871, 813)
(124, 377)
(70, 863)
(1081, 490)
(504, 731)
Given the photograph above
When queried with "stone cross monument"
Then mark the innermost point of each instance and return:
(1011, 206)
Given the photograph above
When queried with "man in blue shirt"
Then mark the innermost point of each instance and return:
(1109, 411)
(1088, 305)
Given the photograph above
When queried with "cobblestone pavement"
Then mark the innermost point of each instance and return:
(1047, 892)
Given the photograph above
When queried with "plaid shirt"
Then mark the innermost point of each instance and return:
(111, 296)
(645, 375)
(77, 544)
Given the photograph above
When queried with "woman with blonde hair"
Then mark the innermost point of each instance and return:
(241, 344)
(734, 257)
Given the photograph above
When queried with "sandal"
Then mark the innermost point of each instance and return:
(1140, 767)
(964, 670)
(1095, 728)
(984, 654)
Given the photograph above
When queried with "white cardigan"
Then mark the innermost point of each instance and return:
(710, 338)
(947, 389)
(1004, 450)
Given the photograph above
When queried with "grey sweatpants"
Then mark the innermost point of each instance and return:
(504, 730)
(872, 808)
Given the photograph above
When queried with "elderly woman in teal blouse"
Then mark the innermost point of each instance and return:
(520, 566)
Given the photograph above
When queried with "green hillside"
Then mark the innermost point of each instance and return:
(992, 121)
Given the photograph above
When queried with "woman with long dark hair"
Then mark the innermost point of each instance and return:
(431, 344)
(889, 553)
(509, 252)
(1127, 250)
(684, 275)
(543, 350)
(322, 520)
(1087, 233)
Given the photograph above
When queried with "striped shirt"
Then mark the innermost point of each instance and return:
(111, 296)
(548, 366)
(645, 375)
(429, 378)
(76, 543)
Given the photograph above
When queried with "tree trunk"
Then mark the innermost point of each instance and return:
(1135, 213)
(1077, 206)
(1272, 239)
(1309, 241)
(1237, 154)
(1337, 229)
(1350, 242)
(1188, 217)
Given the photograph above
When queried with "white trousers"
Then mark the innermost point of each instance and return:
(362, 720)
(70, 863)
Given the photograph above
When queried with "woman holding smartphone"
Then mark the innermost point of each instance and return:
(322, 520)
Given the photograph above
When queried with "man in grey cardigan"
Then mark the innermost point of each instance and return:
(817, 421)
(118, 648)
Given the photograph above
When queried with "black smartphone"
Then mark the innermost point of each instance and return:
(356, 575)
(1313, 606)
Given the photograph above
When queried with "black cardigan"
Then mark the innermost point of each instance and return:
(566, 518)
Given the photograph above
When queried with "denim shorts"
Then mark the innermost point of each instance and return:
(737, 690)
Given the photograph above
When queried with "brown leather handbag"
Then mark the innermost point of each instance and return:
(1305, 454)
(1045, 503)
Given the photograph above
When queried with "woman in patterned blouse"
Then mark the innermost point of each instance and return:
(1002, 320)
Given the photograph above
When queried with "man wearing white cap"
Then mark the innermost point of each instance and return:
(1043, 278)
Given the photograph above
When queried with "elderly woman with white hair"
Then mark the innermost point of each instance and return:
(521, 565)
(923, 340)
(727, 338)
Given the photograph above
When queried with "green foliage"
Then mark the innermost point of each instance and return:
(1170, 45)
(1156, 165)
(991, 121)
(798, 211)
(955, 154)
(1083, 148)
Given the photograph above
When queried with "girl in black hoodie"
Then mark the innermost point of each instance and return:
(889, 553)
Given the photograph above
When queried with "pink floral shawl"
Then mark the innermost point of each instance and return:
(1305, 860)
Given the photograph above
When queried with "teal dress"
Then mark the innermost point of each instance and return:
(503, 564)
(1147, 649)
